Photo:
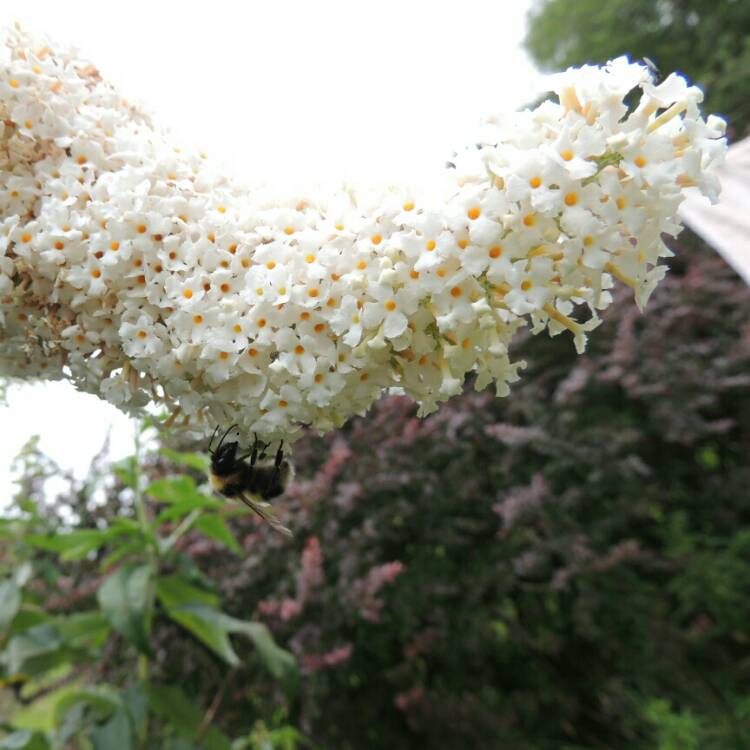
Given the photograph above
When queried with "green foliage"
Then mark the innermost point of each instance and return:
(78, 602)
(709, 40)
(675, 731)
(123, 599)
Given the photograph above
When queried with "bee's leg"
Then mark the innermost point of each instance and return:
(263, 447)
(254, 454)
(276, 467)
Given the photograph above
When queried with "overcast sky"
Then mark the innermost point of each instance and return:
(289, 92)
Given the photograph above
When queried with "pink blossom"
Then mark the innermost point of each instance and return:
(328, 660)
(365, 592)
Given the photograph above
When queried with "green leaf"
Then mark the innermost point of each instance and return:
(195, 609)
(22, 574)
(183, 507)
(27, 618)
(72, 723)
(123, 525)
(215, 527)
(173, 490)
(75, 545)
(40, 714)
(197, 461)
(84, 629)
(102, 699)
(27, 505)
(24, 740)
(205, 623)
(122, 551)
(127, 471)
(34, 650)
(62, 542)
(116, 734)
(122, 598)
(135, 701)
(175, 590)
(169, 703)
(279, 662)
(172, 705)
(10, 601)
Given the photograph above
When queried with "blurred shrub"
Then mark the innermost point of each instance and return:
(565, 569)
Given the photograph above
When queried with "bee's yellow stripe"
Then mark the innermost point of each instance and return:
(219, 483)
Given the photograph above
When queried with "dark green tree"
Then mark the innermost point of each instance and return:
(708, 40)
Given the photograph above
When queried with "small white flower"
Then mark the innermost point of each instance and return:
(166, 280)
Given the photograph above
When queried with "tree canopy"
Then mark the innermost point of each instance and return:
(708, 40)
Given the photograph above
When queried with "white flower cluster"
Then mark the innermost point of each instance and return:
(131, 269)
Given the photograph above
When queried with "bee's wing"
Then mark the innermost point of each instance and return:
(264, 510)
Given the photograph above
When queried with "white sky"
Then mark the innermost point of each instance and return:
(290, 92)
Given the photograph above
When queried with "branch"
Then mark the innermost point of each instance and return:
(135, 271)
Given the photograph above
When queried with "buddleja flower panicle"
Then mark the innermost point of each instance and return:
(136, 271)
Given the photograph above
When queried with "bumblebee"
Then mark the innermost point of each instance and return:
(233, 476)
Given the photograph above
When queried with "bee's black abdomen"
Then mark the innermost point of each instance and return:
(233, 488)
(266, 481)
